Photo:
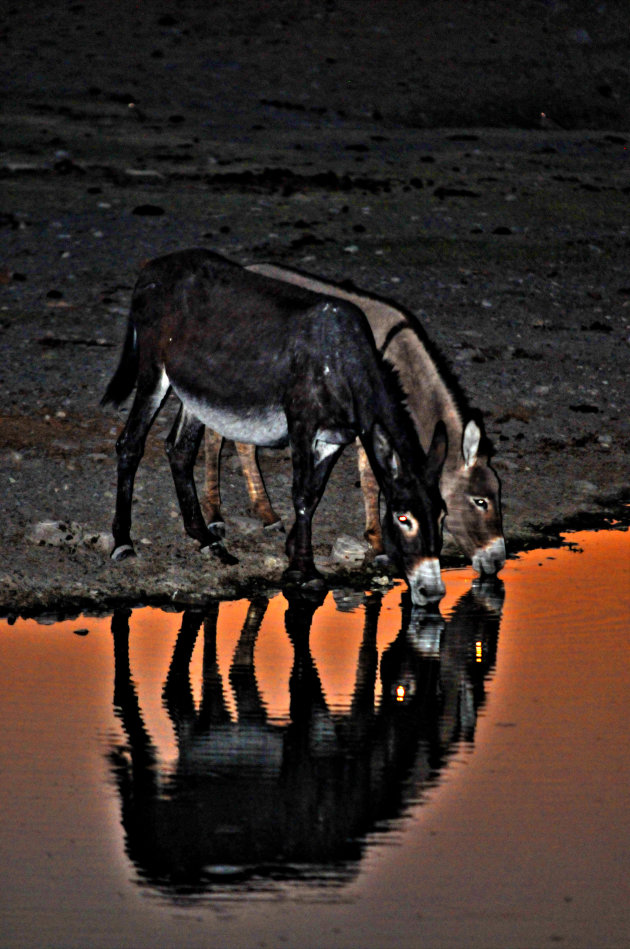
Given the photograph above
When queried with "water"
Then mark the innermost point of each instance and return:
(391, 779)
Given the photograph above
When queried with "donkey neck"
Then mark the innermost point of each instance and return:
(429, 398)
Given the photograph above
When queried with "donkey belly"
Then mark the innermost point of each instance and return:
(262, 425)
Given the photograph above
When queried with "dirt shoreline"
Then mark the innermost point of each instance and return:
(511, 244)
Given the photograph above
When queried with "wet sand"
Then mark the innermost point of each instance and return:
(343, 145)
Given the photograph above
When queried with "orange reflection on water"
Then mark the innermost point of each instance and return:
(546, 590)
(542, 587)
(565, 633)
(523, 818)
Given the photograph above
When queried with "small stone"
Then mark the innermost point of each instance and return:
(101, 541)
(349, 550)
(586, 487)
(272, 563)
(54, 534)
(382, 581)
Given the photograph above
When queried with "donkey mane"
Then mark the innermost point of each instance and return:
(396, 390)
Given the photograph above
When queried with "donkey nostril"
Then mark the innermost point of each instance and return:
(434, 593)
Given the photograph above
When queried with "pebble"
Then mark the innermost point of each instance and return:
(349, 550)
(55, 533)
(271, 562)
(68, 534)
(101, 541)
(586, 487)
(382, 582)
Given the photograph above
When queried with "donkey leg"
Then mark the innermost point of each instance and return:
(150, 397)
(256, 487)
(182, 446)
(371, 493)
(311, 469)
(177, 693)
(212, 494)
(249, 704)
(213, 709)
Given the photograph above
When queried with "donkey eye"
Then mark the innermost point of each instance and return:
(481, 503)
(404, 521)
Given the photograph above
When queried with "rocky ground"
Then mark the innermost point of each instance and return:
(407, 151)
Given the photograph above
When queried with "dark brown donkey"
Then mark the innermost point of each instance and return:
(267, 363)
(468, 484)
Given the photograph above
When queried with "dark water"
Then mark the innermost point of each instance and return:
(349, 773)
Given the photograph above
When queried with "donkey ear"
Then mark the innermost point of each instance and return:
(437, 452)
(470, 443)
(386, 455)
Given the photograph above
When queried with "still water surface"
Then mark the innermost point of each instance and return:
(341, 774)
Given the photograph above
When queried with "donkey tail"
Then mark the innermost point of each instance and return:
(124, 379)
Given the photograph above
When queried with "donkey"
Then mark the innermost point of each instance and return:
(267, 363)
(469, 485)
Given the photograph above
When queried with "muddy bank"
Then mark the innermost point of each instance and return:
(511, 244)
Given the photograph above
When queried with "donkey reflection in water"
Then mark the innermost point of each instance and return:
(468, 484)
(250, 797)
(267, 363)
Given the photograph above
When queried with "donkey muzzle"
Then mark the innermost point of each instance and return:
(489, 559)
(425, 582)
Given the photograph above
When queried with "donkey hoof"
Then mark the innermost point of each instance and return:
(218, 550)
(122, 552)
(275, 526)
(217, 527)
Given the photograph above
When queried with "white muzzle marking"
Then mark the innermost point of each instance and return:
(425, 582)
(490, 558)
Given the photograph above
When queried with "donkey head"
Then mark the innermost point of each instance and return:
(472, 495)
(412, 526)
